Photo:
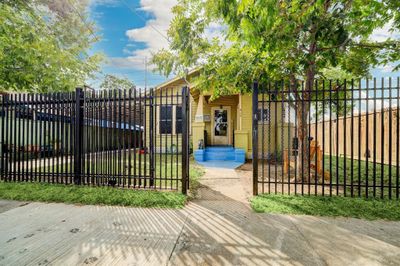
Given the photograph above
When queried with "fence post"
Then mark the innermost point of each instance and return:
(3, 118)
(151, 134)
(255, 138)
(185, 139)
(78, 136)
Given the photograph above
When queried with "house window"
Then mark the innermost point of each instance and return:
(263, 115)
(166, 120)
(24, 112)
(178, 120)
(170, 121)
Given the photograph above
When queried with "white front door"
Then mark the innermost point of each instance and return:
(220, 119)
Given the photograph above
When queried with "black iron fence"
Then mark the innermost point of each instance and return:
(112, 138)
(327, 138)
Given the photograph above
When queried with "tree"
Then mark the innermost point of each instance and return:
(279, 39)
(112, 82)
(44, 45)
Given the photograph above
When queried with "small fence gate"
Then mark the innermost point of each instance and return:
(113, 138)
(327, 138)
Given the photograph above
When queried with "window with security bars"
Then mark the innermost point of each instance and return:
(178, 120)
(263, 115)
(166, 120)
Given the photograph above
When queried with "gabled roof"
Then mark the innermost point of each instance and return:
(177, 78)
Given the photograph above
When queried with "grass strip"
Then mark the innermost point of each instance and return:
(369, 209)
(91, 195)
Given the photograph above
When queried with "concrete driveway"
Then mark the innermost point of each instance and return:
(218, 228)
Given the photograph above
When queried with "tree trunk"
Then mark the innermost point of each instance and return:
(303, 108)
(302, 113)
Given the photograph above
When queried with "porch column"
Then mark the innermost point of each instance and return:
(198, 125)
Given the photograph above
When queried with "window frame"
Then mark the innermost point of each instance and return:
(173, 131)
(260, 112)
(160, 121)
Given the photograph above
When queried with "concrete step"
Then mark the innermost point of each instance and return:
(224, 153)
(220, 149)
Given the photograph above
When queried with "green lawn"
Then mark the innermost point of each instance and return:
(370, 209)
(90, 195)
(104, 195)
(167, 168)
(359, 166)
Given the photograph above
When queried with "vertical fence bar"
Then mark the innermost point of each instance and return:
(119, 158)
(57, 138)
(366, 152)
(261, 119)
(151, 132)
(275, 137)
(173, 131)
(269, 136)
(24, 112)
(185, 139)
(345, 138)
(309, 87)
(352, 141)
(14, 133)
(166, 150)
(140, 137)
(3, 139)
(390, 139)
(382, 137)
(144, 136)
(374, 143)
(289, 143)
(316, 139)
(7, 143)
(255, 139)
(398, 140)
(330, 138)
(359, 137)
(323, 137)
(78, 136)
(18, 110)
(296, 137)
(282, 132)
(177, 141)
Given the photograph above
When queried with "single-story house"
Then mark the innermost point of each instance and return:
(221, 128)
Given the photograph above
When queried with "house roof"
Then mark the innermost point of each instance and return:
(177, 78)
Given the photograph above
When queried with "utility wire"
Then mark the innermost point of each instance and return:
(144, 20)
(82, 19)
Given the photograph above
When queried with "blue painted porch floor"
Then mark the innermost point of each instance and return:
(221, 164)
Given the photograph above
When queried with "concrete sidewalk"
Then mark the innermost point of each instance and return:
(218, 228)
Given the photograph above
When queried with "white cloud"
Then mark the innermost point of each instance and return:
(153, 34)
(130, 62)
(104, 2)
(382, 34)
(386, 68)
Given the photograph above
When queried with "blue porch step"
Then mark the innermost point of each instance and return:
(220, 153)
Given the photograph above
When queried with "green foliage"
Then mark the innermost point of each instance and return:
(90, 195)
(112, 82)
(278, 40)
(44, 47)
(370, 209)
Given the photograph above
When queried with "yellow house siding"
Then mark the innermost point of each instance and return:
(270, 134)
(246, 123)
(170, 95)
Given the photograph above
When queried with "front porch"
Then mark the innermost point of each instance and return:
(217, 129)
(220, 156)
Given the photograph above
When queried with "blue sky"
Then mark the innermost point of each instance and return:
(132, 29)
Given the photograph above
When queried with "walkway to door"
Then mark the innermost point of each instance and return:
(217, 228)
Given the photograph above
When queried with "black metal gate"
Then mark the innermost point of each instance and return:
(100, 138)
(327, 138)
